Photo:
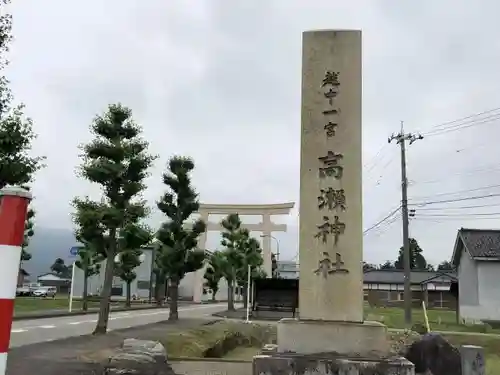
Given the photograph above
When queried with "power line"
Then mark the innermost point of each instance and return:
(384, 227)
(459, 174)
(462, 215)
(421, 204)
(451, 218)
(465, 125)
(378, 223)
(375, 158)
(479, 114)
(459, 207)
(466, 117)
(456, 192)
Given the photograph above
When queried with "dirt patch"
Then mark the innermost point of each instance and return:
(216, 340)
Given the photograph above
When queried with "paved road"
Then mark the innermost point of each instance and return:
(26, 332)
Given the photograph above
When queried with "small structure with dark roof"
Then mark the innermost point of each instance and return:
(386, 287)
(476, 256)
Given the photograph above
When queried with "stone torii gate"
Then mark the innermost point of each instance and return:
(266, 227)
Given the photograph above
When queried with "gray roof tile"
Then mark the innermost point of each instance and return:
(483, 243)
(397, 276)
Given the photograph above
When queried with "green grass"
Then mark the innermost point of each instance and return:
(445, 320)
(490, 344)
(439, 320)
(31, 304)
(196, 342)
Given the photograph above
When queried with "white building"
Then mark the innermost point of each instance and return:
(143, 286)
(477, 258)
(287, 269)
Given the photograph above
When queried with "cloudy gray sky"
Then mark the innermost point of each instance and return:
(220, 81)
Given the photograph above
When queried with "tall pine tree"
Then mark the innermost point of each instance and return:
(178, 252)
(117, 160)
(125, 270)
(232, 239)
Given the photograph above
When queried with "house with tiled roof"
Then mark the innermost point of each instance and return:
(476, 256)
(386, 288)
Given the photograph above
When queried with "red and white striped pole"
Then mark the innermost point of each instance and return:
(13, 210)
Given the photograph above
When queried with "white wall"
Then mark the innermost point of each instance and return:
(489, 290)
(186, 288)
(479, 291)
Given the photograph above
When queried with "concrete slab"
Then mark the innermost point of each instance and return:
(292, 364)
(316, 336)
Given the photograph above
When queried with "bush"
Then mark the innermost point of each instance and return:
(419, 328)
(400, 341)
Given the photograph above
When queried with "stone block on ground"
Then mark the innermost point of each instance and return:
(138, 357)
(432, 353)
(316, 336)
(292, 364)
(212, 368)
(473, 362)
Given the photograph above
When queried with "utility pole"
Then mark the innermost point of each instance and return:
(401, 138)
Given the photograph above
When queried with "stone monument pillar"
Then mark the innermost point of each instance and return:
(331, 325)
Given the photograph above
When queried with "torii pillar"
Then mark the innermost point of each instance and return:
(266, 227)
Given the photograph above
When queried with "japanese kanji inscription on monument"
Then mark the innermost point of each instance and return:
(330, 194)
(336, 229)
(331, 199)
(330, 165)
(327, 267)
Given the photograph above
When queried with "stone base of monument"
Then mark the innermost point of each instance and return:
(330, 348)
(324, 364)
(319, 336)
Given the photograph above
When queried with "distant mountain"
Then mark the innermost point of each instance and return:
(46, 245)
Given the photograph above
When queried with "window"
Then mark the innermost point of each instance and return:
(384, 295)
(143, 284)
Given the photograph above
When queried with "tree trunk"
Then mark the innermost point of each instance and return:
(214, 292)
(128, 294)
(85, 293)
(230, 296)
(174, 296)
(160, 292)
(102, 320)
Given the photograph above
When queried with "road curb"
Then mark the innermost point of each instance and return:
(57, 314)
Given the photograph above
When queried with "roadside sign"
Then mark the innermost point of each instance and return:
(74, 251)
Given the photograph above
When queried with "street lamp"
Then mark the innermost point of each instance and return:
(277, 249)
